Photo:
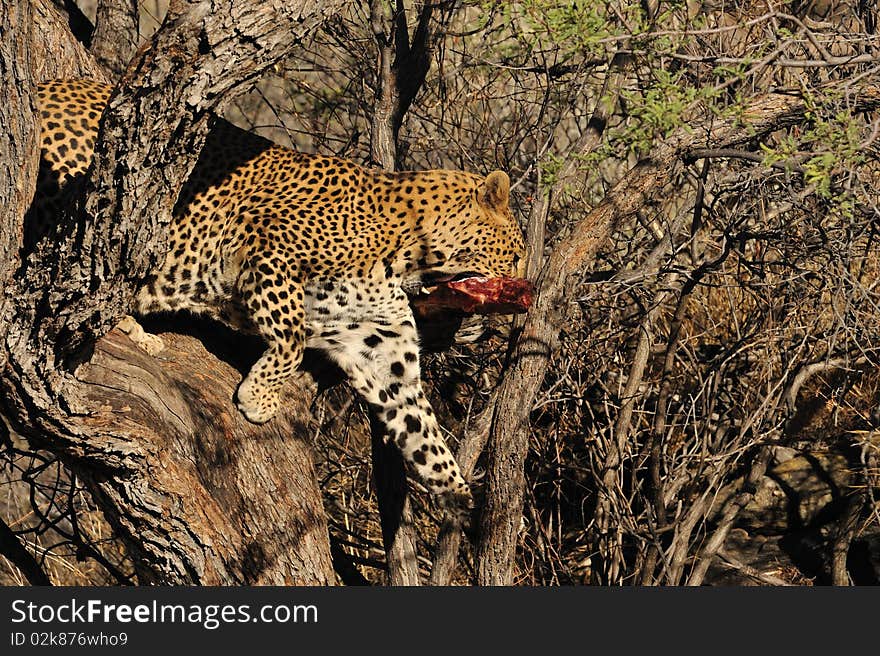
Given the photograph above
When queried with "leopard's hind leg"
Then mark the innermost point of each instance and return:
(381, 358)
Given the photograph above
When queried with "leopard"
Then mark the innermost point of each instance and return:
(305, 251)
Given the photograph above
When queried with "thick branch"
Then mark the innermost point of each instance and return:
(201, 495)
(55, 51)
(501, 514)
(401, 70)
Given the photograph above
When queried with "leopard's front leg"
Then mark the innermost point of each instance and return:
(273, 296)
(147, 342)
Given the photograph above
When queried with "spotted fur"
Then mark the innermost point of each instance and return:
(307, 250)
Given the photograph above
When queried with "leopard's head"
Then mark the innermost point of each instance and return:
(476, 235)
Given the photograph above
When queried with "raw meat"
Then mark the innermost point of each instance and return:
(476, 295)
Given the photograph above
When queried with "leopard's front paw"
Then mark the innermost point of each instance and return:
(258, 404)
(147, 342)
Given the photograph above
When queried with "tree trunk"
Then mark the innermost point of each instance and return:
(18, 138)
(198, 494)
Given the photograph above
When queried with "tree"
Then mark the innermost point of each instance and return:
(123, 424)
(698, 188)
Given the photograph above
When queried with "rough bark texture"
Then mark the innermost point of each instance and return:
(202, 495)
(508, 443)
(199, 495)
(116, 34)
(55, 51)
(18, 138)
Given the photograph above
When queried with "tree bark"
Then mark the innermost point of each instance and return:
(535, 345)
(198, 494)
(505, 488)
(389, 472)
(842, 538)
(116, 34)
(401, 69)
(18, 138)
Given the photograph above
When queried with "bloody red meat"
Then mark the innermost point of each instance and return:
(478, 295)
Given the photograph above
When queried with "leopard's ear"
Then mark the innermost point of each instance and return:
(494, 192)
